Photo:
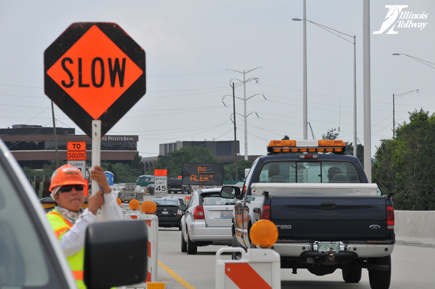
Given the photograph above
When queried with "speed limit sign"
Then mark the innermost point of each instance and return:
(160, 185)
(160, 182)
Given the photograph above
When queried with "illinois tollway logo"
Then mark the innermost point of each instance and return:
(397, 18)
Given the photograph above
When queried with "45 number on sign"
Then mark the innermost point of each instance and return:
(161, 188)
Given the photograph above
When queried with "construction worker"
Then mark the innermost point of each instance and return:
(69, 220)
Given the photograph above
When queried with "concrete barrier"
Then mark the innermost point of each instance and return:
(415, 228)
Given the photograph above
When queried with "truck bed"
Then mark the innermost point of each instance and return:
(329, 218)
(326, 212)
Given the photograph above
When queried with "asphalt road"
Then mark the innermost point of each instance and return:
(412, 267)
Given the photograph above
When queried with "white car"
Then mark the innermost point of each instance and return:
(206, 221)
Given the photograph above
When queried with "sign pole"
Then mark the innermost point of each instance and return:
(96, 150)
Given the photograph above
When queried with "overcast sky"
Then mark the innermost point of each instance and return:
(190, 45)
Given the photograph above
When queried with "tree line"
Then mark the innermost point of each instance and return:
(405, 164)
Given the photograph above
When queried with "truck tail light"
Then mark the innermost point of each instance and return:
(390, 218)
(265, 214)
(179, 212)
(198, 214)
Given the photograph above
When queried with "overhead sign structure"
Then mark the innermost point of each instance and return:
(94, 71)
(203, 174)
(76, 151)
(160, 182)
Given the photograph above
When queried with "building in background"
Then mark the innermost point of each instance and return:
(222, 150)
(33, 145)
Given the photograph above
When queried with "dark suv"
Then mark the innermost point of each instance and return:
(175, 186)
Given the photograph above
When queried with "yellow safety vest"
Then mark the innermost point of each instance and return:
(60, 226)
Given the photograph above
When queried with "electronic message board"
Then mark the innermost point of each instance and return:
(207, 174)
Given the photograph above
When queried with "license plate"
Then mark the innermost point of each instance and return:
(164, 212)
(327, 247)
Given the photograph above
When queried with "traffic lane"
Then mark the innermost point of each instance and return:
(197, 270)
(411, 267)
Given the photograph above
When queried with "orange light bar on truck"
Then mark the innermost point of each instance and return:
(295, 146)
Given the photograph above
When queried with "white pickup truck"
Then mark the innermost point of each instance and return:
(30, 256)
(327, 214)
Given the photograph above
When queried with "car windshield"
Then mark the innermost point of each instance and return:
(308, 172)
(175, 181)
(167, 202)
(213, 200)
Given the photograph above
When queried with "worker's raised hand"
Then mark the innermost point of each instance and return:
(97, 174)
(95, 202)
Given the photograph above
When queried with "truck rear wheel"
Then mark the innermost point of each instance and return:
(351, 275)
(380, 279)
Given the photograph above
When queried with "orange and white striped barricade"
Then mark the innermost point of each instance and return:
(257, 268)
(153, 239)
(149, 208)
(153, 227)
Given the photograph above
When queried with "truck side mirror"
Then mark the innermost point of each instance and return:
(230, 192)
(116, 254)
(182, 207)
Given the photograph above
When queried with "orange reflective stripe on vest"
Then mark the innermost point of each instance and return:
(62, 217)
(61, 230)
(78, 275)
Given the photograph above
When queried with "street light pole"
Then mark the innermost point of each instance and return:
(235, 135)
(305, 97)
(367, 92)
(425, 62)
(355, 119)
(244, 106)
(338, 34)
(394, 110)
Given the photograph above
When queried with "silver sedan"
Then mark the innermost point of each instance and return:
(207, 220)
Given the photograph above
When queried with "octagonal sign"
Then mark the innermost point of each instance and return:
(94, 71)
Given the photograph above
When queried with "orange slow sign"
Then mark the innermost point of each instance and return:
(94, 70)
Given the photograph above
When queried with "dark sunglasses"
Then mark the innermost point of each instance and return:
(67, 189)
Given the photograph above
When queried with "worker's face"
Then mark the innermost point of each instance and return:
(70, 197)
